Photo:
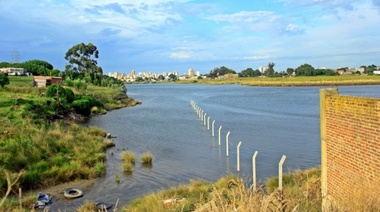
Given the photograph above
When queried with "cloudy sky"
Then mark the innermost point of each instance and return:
(175, 35)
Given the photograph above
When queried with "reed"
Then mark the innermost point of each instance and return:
(146, 158)
(87, 206)
(128, 167)
(232, 193)
(128, 156)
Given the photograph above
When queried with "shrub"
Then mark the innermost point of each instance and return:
(82, 106)
(52, 91)
(127, 166)
(69, 82)
(146, 158)
(70, 96)
(128, 156)
(80, 84)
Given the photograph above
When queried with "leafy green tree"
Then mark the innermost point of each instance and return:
(270, 70)
(37, 67)
(161, 77)
(249, 72)
(289, 71)
(216, 72)
(55, 72)
(82, 58)
(305, 70)
(139, 79)
(370, 69)
(173, 77)
(5, 65)
(4, 80)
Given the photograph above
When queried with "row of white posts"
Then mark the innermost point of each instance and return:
(202, 115)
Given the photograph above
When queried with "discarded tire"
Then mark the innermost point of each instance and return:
(103, 206)
(72, 193)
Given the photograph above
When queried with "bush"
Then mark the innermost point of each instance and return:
(80, 84)
(85, 103)
(52, 91)
(146, 158)
(70, 96)
(128, 156)
(82, 107)
(69, 82)
(127, 167)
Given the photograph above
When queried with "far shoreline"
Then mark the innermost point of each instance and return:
(351, 80)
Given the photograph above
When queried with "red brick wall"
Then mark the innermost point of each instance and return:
(351, 133)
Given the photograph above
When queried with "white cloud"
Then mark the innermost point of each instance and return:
(325, 4)
(180, 55)
(40, 41)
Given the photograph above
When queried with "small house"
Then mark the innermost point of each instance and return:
(45, 81)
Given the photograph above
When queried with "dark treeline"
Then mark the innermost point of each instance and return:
(302, 70)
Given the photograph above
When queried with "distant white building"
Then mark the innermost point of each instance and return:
(262, 69)
(14, 71)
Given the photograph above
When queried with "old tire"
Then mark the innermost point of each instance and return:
(72, 193)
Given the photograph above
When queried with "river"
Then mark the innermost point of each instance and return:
(274, 121)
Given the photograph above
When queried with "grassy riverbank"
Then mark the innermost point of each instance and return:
(47, 148)
(292, 81)
(301, 192)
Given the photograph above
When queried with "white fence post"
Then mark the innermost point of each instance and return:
(208, 123)
(228, 134)
(254, 169)
(204, 119)
(220, 128)
(213, 127)
(280, 172)
(238, 156)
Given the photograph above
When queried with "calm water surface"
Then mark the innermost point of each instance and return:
(274, 121)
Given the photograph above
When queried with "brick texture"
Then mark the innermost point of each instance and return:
(352, 143)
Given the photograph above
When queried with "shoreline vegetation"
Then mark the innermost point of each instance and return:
(46, 150)
(41, 141)
(292, 81)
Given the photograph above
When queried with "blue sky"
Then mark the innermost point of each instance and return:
(176, 35)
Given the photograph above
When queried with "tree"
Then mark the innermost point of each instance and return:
(305, 70)
(270, 70)
(37, 67)
(82, 58)
(220, 72)
(249, 72)
(161, 77)
(139, 79)
(4, 80)
(173, 77)
(289, 71)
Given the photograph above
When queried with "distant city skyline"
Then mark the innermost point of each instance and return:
(176, 35)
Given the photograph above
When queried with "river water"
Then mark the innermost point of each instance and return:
(274, 121)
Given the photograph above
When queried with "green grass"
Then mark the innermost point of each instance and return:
(49, 151)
